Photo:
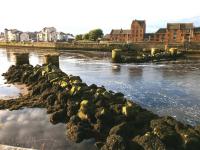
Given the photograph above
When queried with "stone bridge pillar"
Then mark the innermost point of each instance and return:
(21, 58)
(53, 59)
(116, 55)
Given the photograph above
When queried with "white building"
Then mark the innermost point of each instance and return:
(70, 37)
(24, 37)
(48, 34)
(12, 35)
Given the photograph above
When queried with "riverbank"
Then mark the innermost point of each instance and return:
(102, 46)
(68, 46)
(93, 112)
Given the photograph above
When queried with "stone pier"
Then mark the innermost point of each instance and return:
(21, 58)
(116, 55)
(52, 58)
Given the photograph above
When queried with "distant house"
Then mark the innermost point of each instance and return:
(196, 34)
(33, 36)
(161, 35)
(180, 32)
(120, 35)
(135, 34)
(138, 30)
(61, 37)
(24, 37)
(64, 37)
(70, 37)
(48, 34)
(12, 35)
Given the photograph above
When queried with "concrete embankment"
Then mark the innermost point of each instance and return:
(90, 111)
(107, 46)
(68, 46)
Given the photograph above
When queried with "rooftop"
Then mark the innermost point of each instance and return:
(161, 30)
(120, 31)
(182, 26)
(142, 23)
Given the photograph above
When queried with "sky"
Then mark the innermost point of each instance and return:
(80, 16)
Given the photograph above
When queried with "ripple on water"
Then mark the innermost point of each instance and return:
(31, 128)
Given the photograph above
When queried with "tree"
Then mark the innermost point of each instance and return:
(79, 37)
(86, 36)
(95, 34)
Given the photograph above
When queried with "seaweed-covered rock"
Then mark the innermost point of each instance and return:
(150, 141)
(86, 110)
(59, 116)
(77, 130)
(191, 138)
(51, 99)
(124, 129)
(166, 133)
(114, 142)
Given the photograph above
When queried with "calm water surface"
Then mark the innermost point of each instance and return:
(167, 88)
(31, 128)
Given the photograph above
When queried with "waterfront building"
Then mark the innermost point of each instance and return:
(135, 34)
(160, 35)
(196, 37)
(120, 35)
(138, 29)
(173, 33)
(12, 35)
(179, 32)
(47, 34)
(24, 37)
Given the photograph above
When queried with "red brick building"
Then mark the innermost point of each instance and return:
(179, 32)
(173, 33)
(138, 29)
(161, 35)
(135, 34)
(121, 35)
(196, 36)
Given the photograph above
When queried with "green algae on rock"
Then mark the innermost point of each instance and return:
(93, 112)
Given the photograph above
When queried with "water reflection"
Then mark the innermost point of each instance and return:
(31, 128)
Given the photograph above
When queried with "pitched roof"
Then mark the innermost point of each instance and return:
(161, 30)
(120, 31)
(182, 26)
(142, 23)
(147, 35)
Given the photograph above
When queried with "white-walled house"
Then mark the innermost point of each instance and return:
(70, 37)
(48, 34)
(64, 37)
(12, 35)
(24, 37)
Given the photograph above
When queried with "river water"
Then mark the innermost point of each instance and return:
(167, 88)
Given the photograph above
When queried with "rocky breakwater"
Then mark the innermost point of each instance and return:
(93, 112)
